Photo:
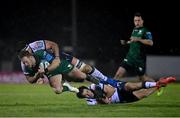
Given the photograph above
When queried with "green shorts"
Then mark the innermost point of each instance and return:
(132, 65)
(64, 68)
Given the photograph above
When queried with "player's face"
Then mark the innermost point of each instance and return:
(28, 61)
(138, 21)
(88, 93)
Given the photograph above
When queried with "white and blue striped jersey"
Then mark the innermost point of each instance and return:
(114, 98)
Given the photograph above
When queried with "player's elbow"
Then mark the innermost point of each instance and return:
(150, 43)
(31, 80)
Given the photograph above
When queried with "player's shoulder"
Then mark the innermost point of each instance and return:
(145, 29)
(37, 45)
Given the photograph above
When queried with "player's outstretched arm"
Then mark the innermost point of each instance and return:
(33, 79)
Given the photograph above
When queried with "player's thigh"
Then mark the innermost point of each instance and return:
(80, 65)
(76, 73)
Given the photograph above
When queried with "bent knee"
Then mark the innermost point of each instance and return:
(57, 90)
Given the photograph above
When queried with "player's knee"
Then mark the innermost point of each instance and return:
(58, 90)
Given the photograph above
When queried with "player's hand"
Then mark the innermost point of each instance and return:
(40, 81)
(134, 39)
(39, 75)
(123, 42)
(41, 70)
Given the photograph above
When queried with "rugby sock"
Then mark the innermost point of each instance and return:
(65, 88)
(98, 74)
(148, 84)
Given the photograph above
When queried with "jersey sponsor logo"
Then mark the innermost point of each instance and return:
(69, 66)
(125, 60)
(49, 57)
(140, 32)
(140, 69)
(37, 46)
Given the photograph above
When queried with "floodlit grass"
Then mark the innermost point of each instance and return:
(40, 101)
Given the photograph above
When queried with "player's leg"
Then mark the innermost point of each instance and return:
(146, 78)
(141, 69)
(125, 66)
(76, 73)
(85, 68)
(140, 94)
(120, 73)
(55, 83)
(131, 86)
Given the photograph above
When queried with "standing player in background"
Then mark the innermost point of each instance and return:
(136, 56)
(52, 47)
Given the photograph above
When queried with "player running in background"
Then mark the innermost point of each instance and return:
(136, 56)
(122, 92)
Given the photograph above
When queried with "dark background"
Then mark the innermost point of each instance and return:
(100, 26)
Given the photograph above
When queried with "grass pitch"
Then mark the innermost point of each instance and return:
(40, 101)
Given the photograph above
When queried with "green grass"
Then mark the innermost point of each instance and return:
(40, 101)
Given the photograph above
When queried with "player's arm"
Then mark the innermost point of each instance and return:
(123, 42)
(52, 63)
(52, 46)
(55, 50)
(143, 41)
(33, 79)
(50, 68)
(146, 41)
(105, 100)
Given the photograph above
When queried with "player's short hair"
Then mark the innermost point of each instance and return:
(23, 53)
(138, 14)
(80, 93)
(20, 46)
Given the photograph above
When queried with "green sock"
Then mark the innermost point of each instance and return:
(65, 88)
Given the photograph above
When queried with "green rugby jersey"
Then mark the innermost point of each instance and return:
(63, 68)
(137, 51)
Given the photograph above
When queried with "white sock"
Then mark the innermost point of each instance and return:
(150, 84)
(98, 74)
